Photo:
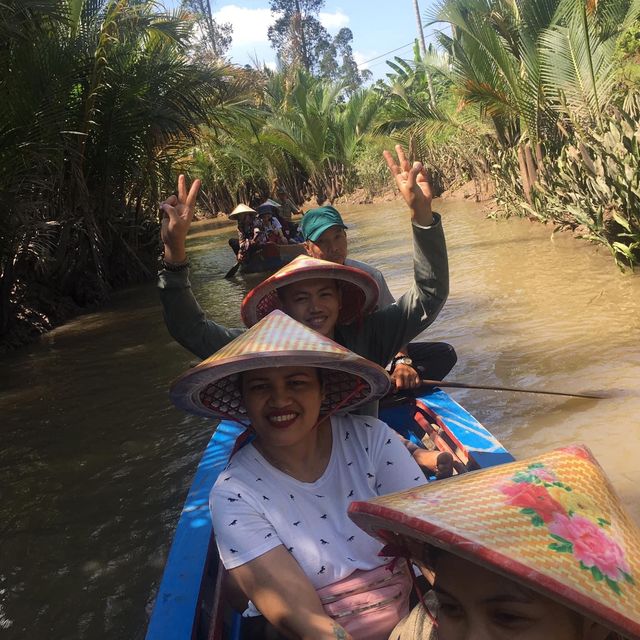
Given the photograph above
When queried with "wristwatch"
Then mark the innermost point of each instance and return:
(402, 360)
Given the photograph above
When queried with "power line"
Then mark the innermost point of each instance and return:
(408, 60)
(404, 46)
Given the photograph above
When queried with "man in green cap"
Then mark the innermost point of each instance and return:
(325, 237)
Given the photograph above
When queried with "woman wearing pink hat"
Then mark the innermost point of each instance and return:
(280, 508)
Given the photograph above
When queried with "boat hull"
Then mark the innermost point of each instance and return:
(271, 257)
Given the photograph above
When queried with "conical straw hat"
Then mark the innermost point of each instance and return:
(359, 290)
(552, 523)
(211, 388)
(240, 210)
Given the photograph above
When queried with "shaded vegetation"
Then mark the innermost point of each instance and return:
(110, 98)
(103, 99)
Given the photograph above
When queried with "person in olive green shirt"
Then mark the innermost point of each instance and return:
(378, 337)
(325, 238)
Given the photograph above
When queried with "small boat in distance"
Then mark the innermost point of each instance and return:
(270, 257)
(190, 604)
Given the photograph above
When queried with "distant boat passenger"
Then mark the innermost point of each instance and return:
(245, 244)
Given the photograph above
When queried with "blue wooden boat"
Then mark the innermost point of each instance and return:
(190, 603)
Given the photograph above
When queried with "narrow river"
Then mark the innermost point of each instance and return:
(95, 462)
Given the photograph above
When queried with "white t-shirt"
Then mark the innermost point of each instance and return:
(256, 507)
(265, 228)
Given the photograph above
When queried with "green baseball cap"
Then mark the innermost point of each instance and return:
(316, 221)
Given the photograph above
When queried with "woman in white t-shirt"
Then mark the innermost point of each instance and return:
(280, 508)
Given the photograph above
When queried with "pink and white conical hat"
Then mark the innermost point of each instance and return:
(211, 388)
(359, 290)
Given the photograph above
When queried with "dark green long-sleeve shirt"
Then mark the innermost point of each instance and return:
(377, 337)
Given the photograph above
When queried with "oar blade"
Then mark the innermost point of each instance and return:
(232, 271)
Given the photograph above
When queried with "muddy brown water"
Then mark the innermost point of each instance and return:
(95, 463)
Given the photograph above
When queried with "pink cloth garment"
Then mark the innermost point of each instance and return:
(369, 604)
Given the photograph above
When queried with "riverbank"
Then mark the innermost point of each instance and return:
(46, 312)
(479, 192)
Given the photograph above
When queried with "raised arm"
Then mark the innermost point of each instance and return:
(388, 329)
(186, 321)
(413, 183)
(280, 590)
(177, 215)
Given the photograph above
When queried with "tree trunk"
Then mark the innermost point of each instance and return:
(6, 284)
(524, 175)
(531, 165)
(303, 42)
(539, 155)
(423, 51)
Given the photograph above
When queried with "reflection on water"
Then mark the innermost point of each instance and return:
(95, 463)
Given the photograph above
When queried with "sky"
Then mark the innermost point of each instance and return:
(378, 26)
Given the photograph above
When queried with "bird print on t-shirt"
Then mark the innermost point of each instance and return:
(289, 509)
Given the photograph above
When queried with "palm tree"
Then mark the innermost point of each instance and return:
(523, 62)
(423, 50)
(323, 134)
(104, 97)
(578, 57)
(528, 65)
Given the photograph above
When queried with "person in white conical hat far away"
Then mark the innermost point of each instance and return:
(189, 325)
(268, 227)
(245, 244)
(279, 509)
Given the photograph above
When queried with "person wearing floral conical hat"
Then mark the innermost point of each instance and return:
(380, 335)
(539, 549)
(280, 508)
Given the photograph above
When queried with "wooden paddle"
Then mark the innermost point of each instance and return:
(464, 385)
(233, 270)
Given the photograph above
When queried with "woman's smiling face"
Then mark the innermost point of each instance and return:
(283, 403)
(477, 604)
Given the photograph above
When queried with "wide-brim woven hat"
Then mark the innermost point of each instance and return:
(359, 290)
(211, 388)
(553, 523)
(240, 210)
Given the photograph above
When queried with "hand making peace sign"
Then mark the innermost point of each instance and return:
(413, 183)
(176, 219)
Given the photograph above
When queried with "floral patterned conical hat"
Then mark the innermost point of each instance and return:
(211, 388)
(552, 523)
(359, 290)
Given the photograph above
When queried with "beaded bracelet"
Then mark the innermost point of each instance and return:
(175, 266)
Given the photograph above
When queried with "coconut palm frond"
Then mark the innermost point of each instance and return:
(578, 64)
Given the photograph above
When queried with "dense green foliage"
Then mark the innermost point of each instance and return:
(544, 76)
(110, 98)
(103, 98)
